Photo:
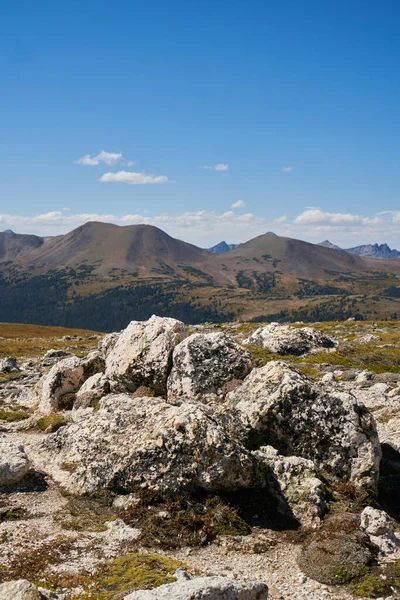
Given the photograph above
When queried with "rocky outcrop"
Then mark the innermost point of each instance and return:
(14, 463)
(207, 363)
(298, 482)
(171, 448)
(282, 339)
(9, 365)
(142, 354)
(278, 406)
(91, 391)
(188, 587)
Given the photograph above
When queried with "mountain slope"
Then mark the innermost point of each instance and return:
(14, 245)
(101, 276)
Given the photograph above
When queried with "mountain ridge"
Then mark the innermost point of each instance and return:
(100, 275)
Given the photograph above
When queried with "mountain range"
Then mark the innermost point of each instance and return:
(100, 276)
(381, 251)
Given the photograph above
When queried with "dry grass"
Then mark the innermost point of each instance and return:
(33, 340)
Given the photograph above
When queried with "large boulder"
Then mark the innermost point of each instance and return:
(207, 363)
(9, 365)
(132, 443)
(278, 406)
(297, 480)
(142, 354)
(283, 339)
(188, 587)
(14, 463)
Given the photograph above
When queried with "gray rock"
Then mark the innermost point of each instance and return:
(142, 354)
(9, 365)
(207, 363)
(19, 590)
(204, 588)
(170, 448)
(278, 406)
(283, 339)
(14, 463)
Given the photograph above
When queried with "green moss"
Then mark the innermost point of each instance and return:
(86, 513)
(11, 416)
(370, 586)
(131, 572)
(51, 423)
(346, 573)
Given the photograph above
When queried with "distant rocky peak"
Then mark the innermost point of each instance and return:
(222, 247)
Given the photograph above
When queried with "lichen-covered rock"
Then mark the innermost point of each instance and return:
(91, 391)
(188, 587)
(283, 339)
(9, 365)
(131, 443)
(381, 530)
(108, 342)
(14, 463)
(65, 377)
(93, 363)
(54, 355)
(298, 482)
(20, 589)
(52, 392)
(207, 363)
(278, 406)
(142, 354)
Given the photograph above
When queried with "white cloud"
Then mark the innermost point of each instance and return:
(207, 227)
(133, 178)
(239, 204)
(108, 158)
(219, 167)
(287, 169)
(315, 216)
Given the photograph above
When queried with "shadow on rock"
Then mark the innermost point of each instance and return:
(34, 481)
(389, 481)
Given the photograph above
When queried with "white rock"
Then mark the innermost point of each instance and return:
(206, 363)
(204, 588)
(14, 463)
(122, 532)
(142, 354)
(380, 528)
(19, 590)
(65, 377)
(283, 339)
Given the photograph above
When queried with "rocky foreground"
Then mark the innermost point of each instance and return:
(236, 462)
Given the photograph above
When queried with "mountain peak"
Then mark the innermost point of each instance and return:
(221, 248)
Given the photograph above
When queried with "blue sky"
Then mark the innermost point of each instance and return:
(297, 102)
